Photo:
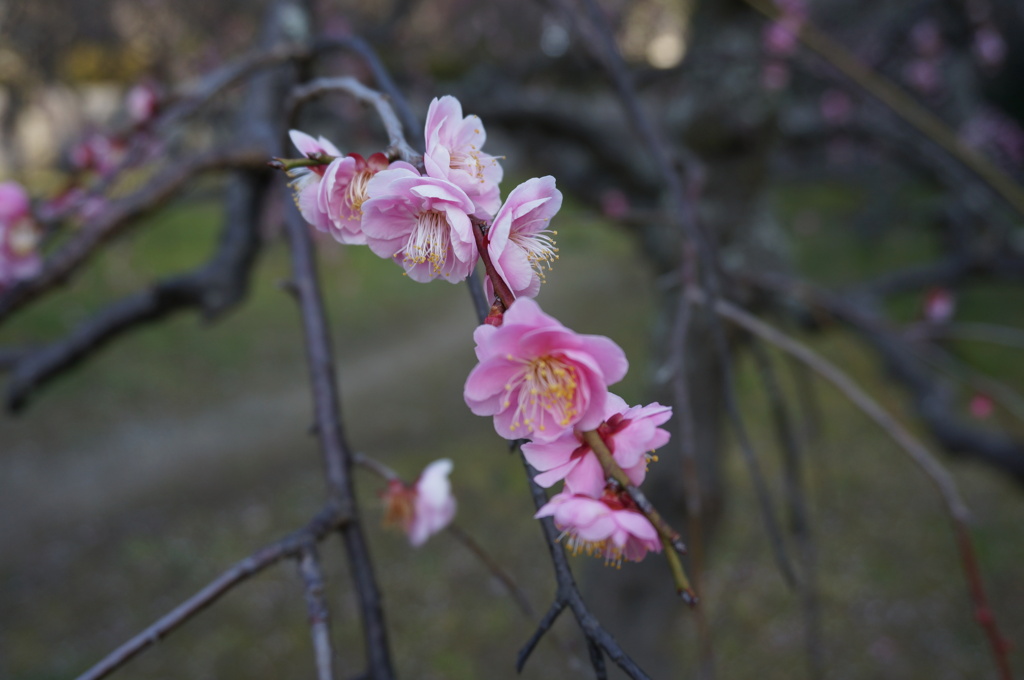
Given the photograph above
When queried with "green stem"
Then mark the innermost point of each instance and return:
(287, 164)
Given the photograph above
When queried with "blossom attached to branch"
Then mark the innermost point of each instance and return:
(424, 508)
(630, 433)
(307, 180)
(342, 192)
(454, 153)
(519, 243)
(539, 378)
(610, 526)
(422, 223)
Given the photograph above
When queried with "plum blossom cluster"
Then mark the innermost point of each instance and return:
(539, 380)
(19, 235)
(543, 382)
(426, 221)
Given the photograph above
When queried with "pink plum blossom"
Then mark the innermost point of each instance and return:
(780, 38)
(454, 153)
(981, 406)
(18, 235)
(610, 527)
(424, 508)
(142, 102)
(422, 223)
(518, 241)
(989, 46)
(539, 378)
(939, 305)
(342, 192)
(306, 183)
(631, 434)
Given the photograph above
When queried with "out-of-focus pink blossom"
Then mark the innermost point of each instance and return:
(926, 37)
(18, 235)
(981, 406)
(774, 76)
(306, 182)
(835, 106)
(142, 102)
(342, 192)
(422, 223)
(939, 305)
(99, 153)
(518, 241)
(424, 508)
(780, 37)
(631, 434)
(538, 378)
(923, 75)
(989, 46)
(608, 527)
(454, 153)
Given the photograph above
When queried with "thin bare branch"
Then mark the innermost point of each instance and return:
(351, 86)
(291, 545)
(319, 615)
(929, 465)
(62, 264)
(337, 455)
(568, 595)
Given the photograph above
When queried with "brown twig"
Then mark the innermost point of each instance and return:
(351, 86)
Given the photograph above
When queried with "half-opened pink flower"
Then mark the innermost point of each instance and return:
(19, 236)
(519, 243)
(422, 223)
(631, 434)
(306, 183)
(610, 527)
(539, 378)
(454, 153)
(342, 192)
(424, 508)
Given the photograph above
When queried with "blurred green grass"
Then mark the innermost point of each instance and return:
(892, 594)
